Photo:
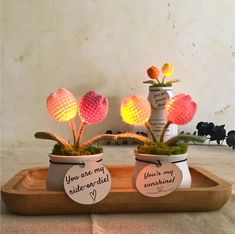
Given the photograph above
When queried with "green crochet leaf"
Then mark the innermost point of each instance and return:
(185, 138)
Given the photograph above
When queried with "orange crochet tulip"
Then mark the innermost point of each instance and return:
(153, 72)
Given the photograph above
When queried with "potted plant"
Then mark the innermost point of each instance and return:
(178, 110)
(160, 90)
(63, 107)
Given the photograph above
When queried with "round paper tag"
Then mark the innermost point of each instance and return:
(87, 184)
(158, 99)
(158, 180)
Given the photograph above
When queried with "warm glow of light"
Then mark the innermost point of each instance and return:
(180, 109)
(93, 108)
(135, 110)
(62, 105)
(167, 69)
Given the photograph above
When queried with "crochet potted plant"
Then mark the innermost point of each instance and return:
(63, 107)
(178, 110)
(160, 90)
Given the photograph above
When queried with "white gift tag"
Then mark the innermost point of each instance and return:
(87, 184)
(158, 180)
(158, 98)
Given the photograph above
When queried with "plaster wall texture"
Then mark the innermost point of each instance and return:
(107, 46)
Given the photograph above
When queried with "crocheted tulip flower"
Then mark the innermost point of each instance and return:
(93, 108)
(167, 69)
(135, 110)
(62, 105)
(153, 72)
(180, 109)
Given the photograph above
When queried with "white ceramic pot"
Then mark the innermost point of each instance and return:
(179, 160)
(59, 165)
(158, 97)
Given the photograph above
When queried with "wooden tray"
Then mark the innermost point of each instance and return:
(26, 194)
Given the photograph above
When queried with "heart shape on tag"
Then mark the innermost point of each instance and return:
(93, 195)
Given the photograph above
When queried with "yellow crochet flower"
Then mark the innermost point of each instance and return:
(167, 69)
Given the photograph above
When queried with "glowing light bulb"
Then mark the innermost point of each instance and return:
(180, 109)
(93, 108)
(62, 105)
(135, 110)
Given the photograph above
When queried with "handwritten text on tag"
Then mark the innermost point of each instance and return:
(157, 181)
(89, 184)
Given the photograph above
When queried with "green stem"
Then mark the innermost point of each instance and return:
(164, 131)
(80, 133)
(148, 126)
(73, 127)
(163, 79)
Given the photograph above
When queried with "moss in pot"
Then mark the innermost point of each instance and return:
(178, 110)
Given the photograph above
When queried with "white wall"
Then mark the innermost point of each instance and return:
(107, 46)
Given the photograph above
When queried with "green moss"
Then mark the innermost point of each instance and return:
(161, 149)
(69, 151)
(162, 85)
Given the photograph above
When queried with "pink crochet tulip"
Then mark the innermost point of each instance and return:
(180, 109)
(62, 105)
(93, 108)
